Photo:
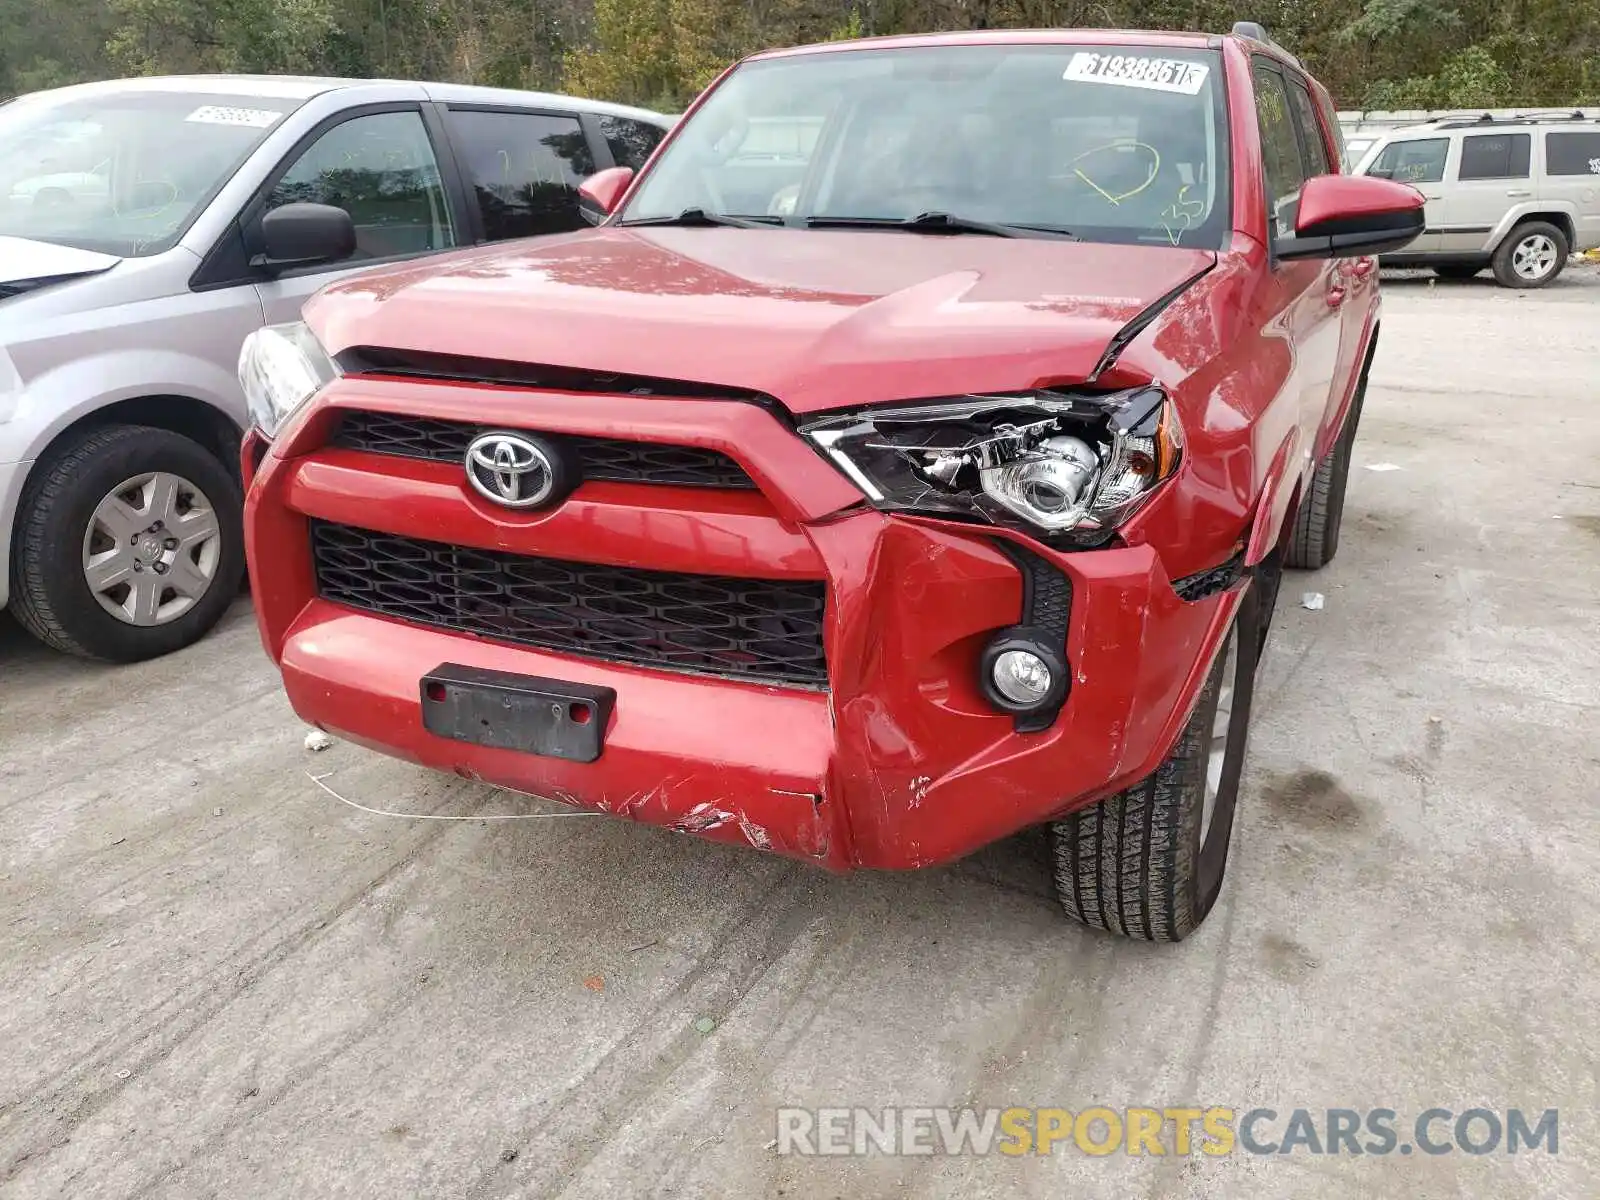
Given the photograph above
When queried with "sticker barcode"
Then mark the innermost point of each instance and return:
(216, 114)
(1137, 70)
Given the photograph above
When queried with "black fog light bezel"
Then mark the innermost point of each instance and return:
(1041, 714)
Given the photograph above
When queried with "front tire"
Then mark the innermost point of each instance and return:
(1531, 255)
(128, 545)
(1314, 537)
(1148, 862)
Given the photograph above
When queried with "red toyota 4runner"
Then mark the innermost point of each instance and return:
(906, 459)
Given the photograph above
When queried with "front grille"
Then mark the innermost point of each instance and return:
(611, 459)
(759, 629)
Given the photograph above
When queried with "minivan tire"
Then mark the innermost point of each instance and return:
(1143, 863)
(50, 594)
(1532, 237)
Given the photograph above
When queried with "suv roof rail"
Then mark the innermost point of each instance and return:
(1256, 31)
(1531, 118)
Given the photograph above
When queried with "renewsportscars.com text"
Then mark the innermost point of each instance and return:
(1160, 1131)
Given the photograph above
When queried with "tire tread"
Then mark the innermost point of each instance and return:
(49, 487)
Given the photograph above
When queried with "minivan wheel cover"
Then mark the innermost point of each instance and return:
(151, 548)
(1534, 257)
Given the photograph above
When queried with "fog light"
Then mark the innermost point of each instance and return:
(1023, 673)
(1022, 677)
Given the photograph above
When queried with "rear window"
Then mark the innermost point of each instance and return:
(1572, 153)
(1495, 156)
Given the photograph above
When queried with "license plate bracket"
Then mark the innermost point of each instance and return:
(506, 711)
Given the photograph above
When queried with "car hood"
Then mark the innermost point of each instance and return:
(25, 262)
(817, 319)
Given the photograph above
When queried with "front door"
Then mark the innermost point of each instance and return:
(1421, 163)
(381, 168)
(1311, 291)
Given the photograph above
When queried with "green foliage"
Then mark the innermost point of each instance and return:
(660, 53)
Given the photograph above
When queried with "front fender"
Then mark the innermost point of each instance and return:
(1283, 479)
(63, 395)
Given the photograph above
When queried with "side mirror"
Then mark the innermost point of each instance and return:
(1347, 216)
(303, 235)
(598, 195)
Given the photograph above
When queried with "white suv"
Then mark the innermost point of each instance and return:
(1515, 194)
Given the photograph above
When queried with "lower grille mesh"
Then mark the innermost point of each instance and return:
(759, 629)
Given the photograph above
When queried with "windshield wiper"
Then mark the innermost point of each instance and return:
(700, 217)
(941, 222)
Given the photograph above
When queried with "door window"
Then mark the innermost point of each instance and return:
(381, 170)
(1495, 156)
(631, 142)
(524, 170)
(1412, 162)
(1280, 151)
(1316, 149)
(1572, 153)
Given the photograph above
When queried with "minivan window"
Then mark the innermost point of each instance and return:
(524, 169)
(631, 142)
(1572, 153)
(1495, 156)
(1412, 162)
(1115, 144)
(127, 172)
(381, 170)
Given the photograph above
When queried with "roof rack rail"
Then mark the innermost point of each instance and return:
(1256, 31)
(1531, 118)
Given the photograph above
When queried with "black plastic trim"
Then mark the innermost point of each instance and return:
(1212, 580)
(1047, 616)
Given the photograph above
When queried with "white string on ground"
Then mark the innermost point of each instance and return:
(379, 812)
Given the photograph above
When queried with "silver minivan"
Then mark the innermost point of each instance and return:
(146, 227)
(1517, 195)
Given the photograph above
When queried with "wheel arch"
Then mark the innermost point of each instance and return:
(1558, 217)
(198, 420)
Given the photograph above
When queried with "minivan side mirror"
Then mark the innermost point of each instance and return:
(1347, 216)
(303, 235)
(598, 195)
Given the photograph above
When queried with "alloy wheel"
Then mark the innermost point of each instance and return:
(1534, 257)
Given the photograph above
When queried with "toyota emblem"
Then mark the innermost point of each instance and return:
(513, 469)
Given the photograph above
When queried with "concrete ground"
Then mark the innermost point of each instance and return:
(216, 980)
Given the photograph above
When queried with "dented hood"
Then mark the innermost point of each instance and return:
(817, 319)
(24, 261)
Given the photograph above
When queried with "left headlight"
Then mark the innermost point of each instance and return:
(1057, 464)
(280, 368)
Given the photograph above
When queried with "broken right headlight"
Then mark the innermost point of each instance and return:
(1055, 464)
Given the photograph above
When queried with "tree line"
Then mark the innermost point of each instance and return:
(660, 53)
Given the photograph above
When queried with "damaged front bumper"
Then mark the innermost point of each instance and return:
(899, 761)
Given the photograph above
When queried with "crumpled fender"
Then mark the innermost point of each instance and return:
(1277, 494)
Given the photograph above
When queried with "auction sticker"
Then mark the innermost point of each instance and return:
(1137, 70)
(216, 114)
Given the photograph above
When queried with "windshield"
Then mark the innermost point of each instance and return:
(1115, 144)
(125, 173)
